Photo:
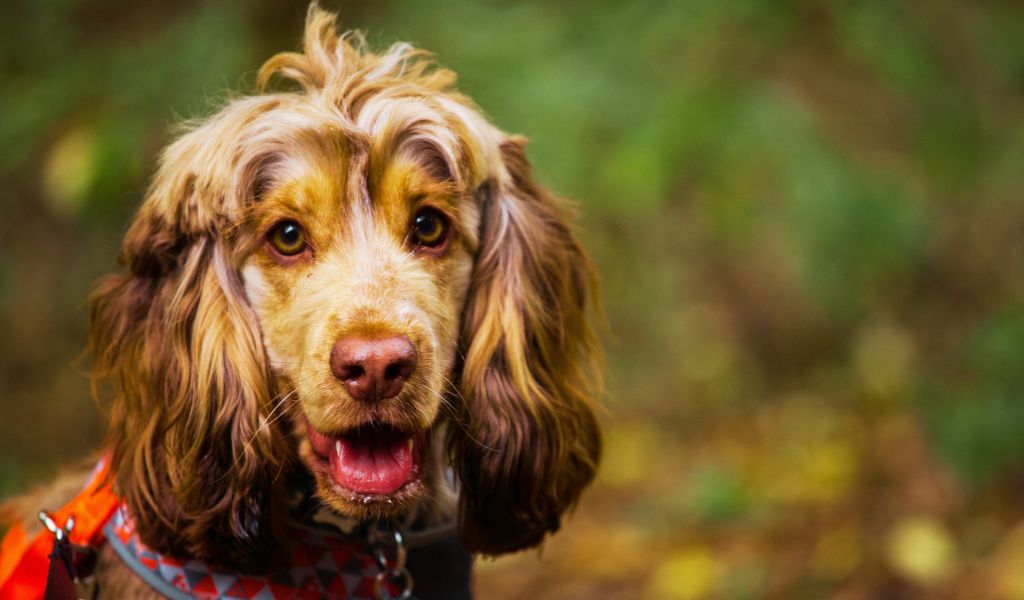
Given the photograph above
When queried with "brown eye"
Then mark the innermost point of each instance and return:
(287, 238)
(429, 228)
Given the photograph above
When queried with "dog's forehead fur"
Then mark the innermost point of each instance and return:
(332, 191)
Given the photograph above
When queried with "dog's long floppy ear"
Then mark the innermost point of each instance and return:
(193, 454)
(527, 441)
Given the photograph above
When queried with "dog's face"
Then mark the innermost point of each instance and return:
(358, 270)
(361, 279)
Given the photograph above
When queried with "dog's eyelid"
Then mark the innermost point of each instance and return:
(276, 221)
(446, 214)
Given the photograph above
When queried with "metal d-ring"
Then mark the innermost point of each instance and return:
(395, 572)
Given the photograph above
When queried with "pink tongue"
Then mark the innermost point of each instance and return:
(369, 463)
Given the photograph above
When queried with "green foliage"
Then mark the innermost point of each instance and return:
(716, 494)
(979, 414)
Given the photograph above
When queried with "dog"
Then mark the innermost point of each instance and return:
(357, 280)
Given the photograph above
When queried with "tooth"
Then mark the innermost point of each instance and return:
(408, 445)
(337, 448)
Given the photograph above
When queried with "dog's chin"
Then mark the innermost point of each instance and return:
(368, 472)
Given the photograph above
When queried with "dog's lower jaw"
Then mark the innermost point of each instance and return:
(408, 503)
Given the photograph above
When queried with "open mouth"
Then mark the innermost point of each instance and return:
(372, 459)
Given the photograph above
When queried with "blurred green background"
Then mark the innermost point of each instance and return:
(808, 218)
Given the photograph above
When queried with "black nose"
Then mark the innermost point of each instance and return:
(373, 369)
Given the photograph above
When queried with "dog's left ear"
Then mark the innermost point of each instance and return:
(194, 451)
(527, 441)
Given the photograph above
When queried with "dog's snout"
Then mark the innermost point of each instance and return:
(373, 369)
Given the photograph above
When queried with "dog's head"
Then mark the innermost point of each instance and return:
(340, 278)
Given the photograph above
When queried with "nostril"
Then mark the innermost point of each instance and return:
(351, 372)
(399, 369)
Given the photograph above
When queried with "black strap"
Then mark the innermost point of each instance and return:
(441, 570)
(60, 580)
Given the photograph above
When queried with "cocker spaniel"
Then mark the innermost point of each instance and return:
(356, 279)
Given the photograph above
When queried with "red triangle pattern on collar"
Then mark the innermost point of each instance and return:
(319, 566)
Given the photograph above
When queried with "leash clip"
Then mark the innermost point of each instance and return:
(81, 560)
(58, 532)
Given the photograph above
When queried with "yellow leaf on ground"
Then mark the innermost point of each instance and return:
(921, 550)
(687, 575)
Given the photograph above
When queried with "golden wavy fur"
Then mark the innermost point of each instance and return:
(218, 346)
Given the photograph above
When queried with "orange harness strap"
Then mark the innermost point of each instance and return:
(24, 561)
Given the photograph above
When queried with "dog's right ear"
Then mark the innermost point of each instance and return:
(193, 451)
